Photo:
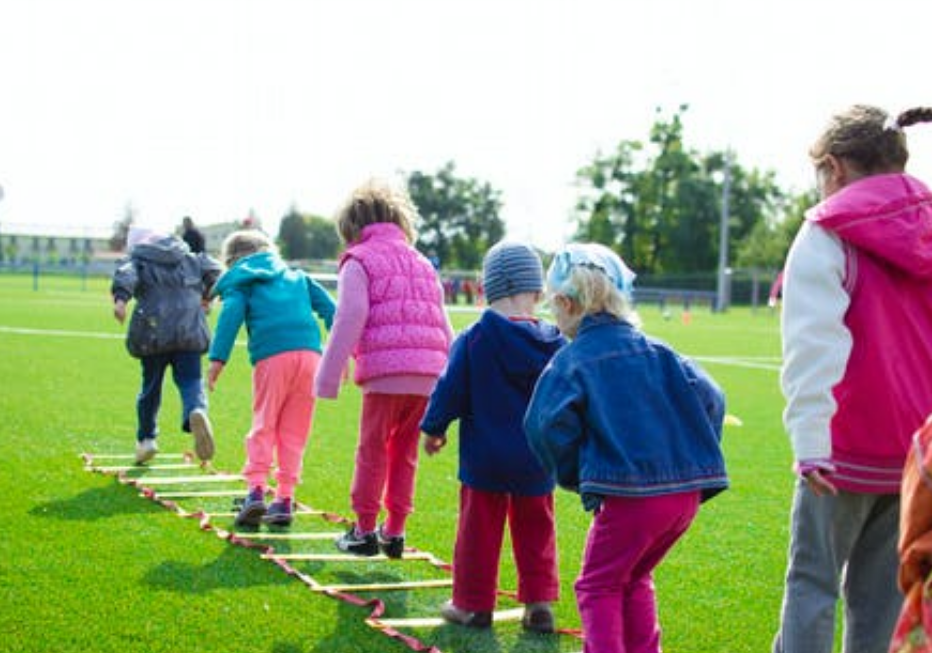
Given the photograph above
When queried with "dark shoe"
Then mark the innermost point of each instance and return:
(538, 618)
(203, 434)
(357, 544)
(455, 615)
(252, 509)
(393, 547)
(279, 513)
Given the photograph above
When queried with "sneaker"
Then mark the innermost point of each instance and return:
(279, 513)
(358, 544)
(455, 615)
(203, 434)
(146, 450)
(251, 509)
(538, 618)
(393, 547)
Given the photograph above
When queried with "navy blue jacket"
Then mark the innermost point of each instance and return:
(617, 413)
(486, 385)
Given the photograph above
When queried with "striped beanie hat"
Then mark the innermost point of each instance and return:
(511, 268)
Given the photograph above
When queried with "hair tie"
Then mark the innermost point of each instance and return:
(892, 124)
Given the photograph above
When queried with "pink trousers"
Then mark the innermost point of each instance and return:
(386, 460)
(479, 546)
(615, 590)
(282, 409)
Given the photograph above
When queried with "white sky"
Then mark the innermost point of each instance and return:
(211, 108)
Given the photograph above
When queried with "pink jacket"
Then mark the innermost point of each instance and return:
(884, 225)
(407, 331)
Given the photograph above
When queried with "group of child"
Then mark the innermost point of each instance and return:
(590, 403)
(534, 409)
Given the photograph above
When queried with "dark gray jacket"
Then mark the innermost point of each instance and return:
(168, 283)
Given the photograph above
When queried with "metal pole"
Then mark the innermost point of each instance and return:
(721, 300)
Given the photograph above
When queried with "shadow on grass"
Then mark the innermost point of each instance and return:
(95, 503)
(225, 572)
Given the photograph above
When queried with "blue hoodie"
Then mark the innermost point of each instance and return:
(486, 385)
(276, 302)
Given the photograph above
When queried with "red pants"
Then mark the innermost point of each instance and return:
(479, 546)
(386, 460)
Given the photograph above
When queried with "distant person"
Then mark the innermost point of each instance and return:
(486, 386)
(192, 235)
(279, 306)
(390, 318)
(168, 328)
(635, 429)
(857, 377)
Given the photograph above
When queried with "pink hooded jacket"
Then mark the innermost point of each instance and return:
(884, 225)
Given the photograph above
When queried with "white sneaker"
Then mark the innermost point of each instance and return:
(203, 434)
(146, 450)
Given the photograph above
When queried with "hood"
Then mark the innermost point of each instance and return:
(166, 250)
(887, 216)
(522, 346)
(261, 266)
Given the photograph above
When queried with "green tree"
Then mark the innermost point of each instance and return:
(459, 217)
(307, 236)
(659, 204)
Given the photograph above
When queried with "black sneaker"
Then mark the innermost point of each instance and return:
(279, 513)
(538, 618)
(393, 547)
(360, 545)
(251, 509)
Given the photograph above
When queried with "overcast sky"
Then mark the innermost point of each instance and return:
(213, 108)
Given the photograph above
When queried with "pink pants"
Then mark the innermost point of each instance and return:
(479, 545)
(386, 460)
(282, 409)
(615, 590)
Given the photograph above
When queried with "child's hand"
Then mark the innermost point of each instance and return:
(213, 373)
(434, 443)
(119, 310)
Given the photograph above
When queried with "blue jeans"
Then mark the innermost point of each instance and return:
(841, 544)
(186, 373)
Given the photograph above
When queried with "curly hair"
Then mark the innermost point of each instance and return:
(376, 201)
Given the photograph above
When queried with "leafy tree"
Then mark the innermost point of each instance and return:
(307, 237)
(769, 241)
(659, 203)
(459, 216)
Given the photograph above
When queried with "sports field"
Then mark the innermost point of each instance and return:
(87, 564)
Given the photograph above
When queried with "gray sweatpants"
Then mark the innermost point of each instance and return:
(843, 543)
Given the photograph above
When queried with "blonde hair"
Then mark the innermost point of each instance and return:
(592, 291)
(868, 138)
(243, 243)
(376, 201)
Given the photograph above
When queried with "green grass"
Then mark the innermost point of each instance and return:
(88, 565)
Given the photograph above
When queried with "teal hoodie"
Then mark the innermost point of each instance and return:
(278, 305)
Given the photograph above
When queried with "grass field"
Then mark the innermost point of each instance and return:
(88, 565)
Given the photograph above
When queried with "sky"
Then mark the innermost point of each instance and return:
(216, 108)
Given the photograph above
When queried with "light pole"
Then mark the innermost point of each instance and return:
(721, 299)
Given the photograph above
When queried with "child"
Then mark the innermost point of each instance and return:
(635, 429)
(857, 356)
(487, 384)
(390, 317)
(278, 306)
(167, 329)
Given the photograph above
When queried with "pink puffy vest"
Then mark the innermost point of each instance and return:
(406, 332)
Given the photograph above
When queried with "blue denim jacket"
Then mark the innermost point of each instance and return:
(618, 413)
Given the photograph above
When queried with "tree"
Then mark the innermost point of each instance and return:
(307, 237)
(459, 217)
(659, 204)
